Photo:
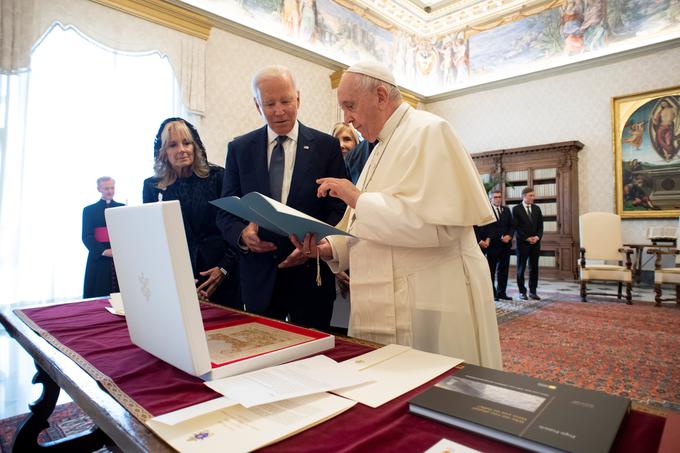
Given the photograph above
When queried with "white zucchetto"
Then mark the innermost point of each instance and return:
(373, 69)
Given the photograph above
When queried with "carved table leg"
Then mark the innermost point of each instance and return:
(657, 294)
(26, 436)
(629, 293)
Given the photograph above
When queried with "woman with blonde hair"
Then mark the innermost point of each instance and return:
(182, 172)
(354, 151)
(347, 136)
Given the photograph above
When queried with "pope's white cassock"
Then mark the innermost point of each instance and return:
(417, 275)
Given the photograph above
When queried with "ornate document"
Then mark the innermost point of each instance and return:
(232, 343)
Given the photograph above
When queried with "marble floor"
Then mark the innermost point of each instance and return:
(640, 292)
(16, 373)
(17, 369)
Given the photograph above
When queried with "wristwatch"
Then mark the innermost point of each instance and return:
(224, 272)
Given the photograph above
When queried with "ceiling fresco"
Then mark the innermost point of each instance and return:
(436, 47)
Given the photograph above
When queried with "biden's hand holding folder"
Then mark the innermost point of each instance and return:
(276, 217)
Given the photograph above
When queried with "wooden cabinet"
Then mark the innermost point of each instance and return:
(552, 170)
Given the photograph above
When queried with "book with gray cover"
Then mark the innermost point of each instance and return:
(276, 217)
(523, 411)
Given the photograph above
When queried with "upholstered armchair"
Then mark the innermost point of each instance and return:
(601, 241)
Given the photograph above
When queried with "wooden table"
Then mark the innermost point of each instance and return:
(637, 261)
(120, 430)
(115, 425)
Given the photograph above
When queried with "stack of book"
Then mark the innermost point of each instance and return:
(550, 226)
(545, 173)
(545, 190)
(548, 209)
(514, 191)
(517, 176)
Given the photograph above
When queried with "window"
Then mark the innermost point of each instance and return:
(82, 112)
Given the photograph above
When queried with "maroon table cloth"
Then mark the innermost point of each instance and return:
(99, 342)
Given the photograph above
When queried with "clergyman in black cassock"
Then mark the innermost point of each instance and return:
(99, 271)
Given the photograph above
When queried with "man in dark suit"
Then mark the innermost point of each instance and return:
(495, 240)
(527, 220)
(99, 272)
(282, 160)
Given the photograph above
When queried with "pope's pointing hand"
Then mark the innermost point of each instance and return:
(338, 188)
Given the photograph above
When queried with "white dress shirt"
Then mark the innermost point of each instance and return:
(289, 150)
(496, 210)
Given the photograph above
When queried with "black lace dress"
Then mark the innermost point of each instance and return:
(207, 249)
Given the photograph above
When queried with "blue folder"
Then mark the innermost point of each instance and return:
(276, 217)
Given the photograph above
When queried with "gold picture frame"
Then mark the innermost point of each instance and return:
(646, 138)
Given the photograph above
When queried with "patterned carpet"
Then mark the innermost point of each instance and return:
(67, 419)
(629, 350)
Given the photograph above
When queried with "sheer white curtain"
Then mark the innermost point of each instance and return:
(83, 111)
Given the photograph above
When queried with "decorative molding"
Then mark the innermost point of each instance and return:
(443, 17)
(164, 13)
(409, 97)
(335, 78)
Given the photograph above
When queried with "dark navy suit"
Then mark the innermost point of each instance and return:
(265, 289)
(357, 158)
(207, 248)
(526, 227)
(498, 252)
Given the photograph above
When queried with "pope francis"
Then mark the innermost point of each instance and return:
(417, 275)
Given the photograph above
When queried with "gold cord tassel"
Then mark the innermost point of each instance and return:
(318, 268)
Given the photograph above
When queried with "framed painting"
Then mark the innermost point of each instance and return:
(646, 136)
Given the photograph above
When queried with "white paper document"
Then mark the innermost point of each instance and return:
(395, 370)
(449, 446)
(238, 429)
(116, 307)
(304, 377)
(182, 415)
